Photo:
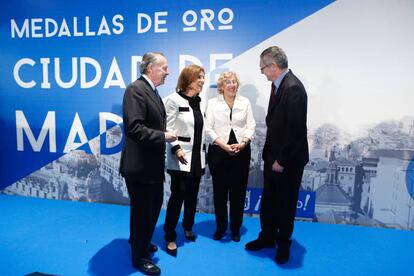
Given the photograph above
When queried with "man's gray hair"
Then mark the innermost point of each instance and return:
(148, 59)
(276, 55)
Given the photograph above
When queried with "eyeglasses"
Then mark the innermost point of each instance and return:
(264, 66)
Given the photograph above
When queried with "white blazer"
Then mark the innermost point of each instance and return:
(218, 123)
(180, 119)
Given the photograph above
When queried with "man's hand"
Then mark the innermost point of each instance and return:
(276, 167)
(170, 136)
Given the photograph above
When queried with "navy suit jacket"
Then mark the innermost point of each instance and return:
(286, 138)
(144, 118)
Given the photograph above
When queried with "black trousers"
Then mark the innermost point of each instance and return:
(184, 188)
(146, 201)
(230, 175)
(278, 203)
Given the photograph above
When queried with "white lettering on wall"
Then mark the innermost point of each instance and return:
(48, 127)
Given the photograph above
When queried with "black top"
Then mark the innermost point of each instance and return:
(232, 136)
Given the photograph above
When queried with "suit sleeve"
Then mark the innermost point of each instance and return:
(209, 123)
(250, 123)
(135, 116)
(296, 110)
(171, 108)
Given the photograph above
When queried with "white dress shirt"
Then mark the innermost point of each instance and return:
(218, 122)
(149, 81)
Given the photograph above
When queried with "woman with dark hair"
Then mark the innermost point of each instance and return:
(186, 155)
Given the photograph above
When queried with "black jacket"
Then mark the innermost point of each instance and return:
(144, 118)
(286, 138)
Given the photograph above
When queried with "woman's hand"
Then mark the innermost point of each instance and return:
(181, 156)
(238, 147)
(230, 149)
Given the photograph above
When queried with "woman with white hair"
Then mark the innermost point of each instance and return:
(230, 126)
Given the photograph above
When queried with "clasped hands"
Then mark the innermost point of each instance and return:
(234, 149)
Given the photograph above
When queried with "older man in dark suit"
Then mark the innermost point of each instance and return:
(142, 160)
(285, 154)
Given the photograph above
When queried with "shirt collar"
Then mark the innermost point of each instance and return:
(278, 81)
(221, 97)
(149, 81)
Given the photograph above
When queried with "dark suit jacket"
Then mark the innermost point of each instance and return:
(144, 118)
(286, 138)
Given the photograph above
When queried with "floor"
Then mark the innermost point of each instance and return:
(75, 238)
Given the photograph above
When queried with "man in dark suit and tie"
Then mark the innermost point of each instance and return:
(142, 160)
(285, 154)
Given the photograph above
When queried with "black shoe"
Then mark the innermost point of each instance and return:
(189, 235)
(282, 254)
(218, 236)
(235, 237)
(258, 244)
(152, 248)
(147, 267)
(171, 252)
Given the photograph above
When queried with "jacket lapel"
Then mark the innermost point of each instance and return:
(279, 93)
(153, 96)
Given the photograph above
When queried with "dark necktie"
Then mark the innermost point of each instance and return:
(273, 93)
(157, 94)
